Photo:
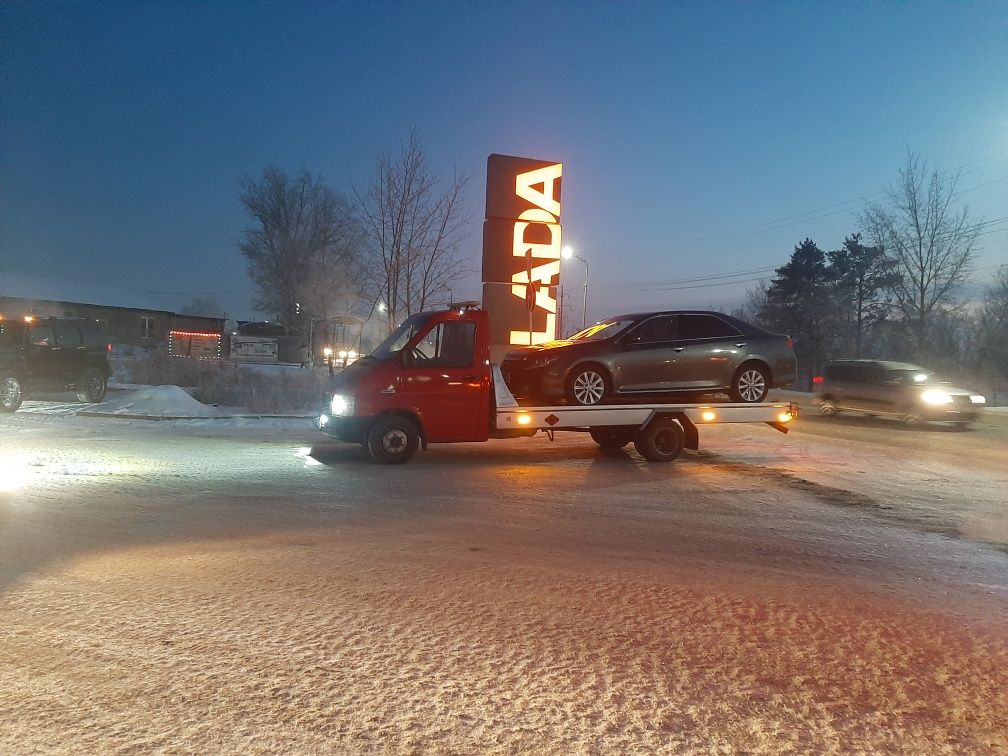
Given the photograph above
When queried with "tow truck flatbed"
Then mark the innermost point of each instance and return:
(615, 425)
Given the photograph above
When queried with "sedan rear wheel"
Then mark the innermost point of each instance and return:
(750, 385)
(587, 385)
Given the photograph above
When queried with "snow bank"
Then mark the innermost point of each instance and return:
(157, 401)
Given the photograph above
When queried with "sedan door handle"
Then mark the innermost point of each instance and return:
(678, 349)
(741, 344)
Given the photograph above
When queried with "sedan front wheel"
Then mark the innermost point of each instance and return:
(587, 385)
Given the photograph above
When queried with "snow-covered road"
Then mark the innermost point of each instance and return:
(244, 586)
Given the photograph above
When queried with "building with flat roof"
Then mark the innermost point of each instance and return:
(129, 317)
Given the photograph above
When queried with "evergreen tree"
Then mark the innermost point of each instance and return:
(799, 301)
(862, 277)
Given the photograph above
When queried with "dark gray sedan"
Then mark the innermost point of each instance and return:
(685, 353)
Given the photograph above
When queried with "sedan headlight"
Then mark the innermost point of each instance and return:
(341, 405)
(978, 399)
(936, 396)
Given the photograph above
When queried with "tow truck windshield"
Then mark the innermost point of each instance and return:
(400, 337)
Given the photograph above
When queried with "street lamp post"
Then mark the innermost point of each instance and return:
(567, 253)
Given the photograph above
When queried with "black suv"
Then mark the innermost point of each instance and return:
(52, 354)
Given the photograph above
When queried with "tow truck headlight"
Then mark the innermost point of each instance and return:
(978, 399)
(936, 396)
(341, 405)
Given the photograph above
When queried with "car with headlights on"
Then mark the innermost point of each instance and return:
(894, 389)
(685, 353)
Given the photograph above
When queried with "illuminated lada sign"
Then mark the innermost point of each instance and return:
(521, 249)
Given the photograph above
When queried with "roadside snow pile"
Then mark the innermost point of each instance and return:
(157, 401)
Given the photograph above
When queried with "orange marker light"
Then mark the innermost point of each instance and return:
(524, 419)
(785, 417)
(708, 416)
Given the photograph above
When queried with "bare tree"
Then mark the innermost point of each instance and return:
(993, 332)
(755, 303)
(415, 228)
(929, 239)
(303, 248)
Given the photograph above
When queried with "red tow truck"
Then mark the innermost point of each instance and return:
(431, 381)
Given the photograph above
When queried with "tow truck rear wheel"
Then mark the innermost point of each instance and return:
(661, 441)
(611, 438)
(393, 440)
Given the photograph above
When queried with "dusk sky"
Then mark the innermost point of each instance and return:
(698, 140)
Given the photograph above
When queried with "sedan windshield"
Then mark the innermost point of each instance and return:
(603, 330)
(400, 337)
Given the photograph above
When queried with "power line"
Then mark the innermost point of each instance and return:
(723, 278)
(726, 237)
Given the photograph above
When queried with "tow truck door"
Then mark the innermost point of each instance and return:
(444, 382)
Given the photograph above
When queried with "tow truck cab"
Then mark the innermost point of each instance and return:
(431, 376)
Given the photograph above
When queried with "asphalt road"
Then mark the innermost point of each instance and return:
(841, 519)
(983, 444)
(61, 471)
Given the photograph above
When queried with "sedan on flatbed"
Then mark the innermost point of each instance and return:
(681, 353)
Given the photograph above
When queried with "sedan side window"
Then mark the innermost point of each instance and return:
(705, 327)
(655, 330)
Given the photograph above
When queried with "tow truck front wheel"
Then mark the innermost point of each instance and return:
(661, 441)
(393, 440)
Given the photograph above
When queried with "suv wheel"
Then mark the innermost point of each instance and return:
(828, 408)
(10, 392)
(92, 386)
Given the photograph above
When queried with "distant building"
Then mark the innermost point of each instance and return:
(128, 317)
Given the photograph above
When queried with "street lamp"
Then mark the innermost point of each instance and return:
(567, 253)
